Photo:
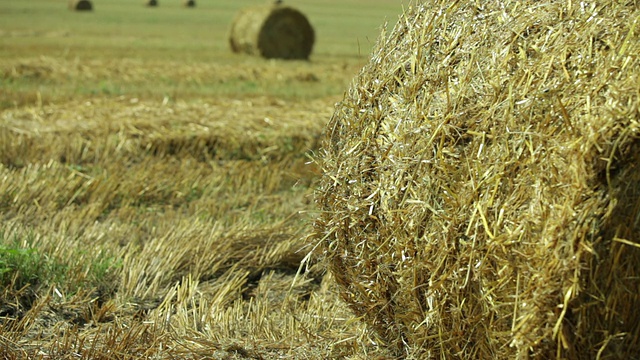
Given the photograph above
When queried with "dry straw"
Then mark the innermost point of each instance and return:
(272, 31)
(203, 219)
(481, 193)
(80, 5)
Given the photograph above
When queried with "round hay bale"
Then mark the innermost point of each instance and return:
(151, 3)
(481, 187)
(189, 3)
(80, 5)
(272, 31)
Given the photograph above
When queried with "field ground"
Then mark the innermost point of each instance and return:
(156, 190)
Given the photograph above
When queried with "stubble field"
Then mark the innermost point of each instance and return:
(156, 190)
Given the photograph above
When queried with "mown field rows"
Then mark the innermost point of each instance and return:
(122, 211)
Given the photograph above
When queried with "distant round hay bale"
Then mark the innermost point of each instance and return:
(189, 3)
(151, 3)
(80, 5)
(272, 31)
(481, 187)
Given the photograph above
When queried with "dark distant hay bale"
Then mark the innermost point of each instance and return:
(272, 31)
(151, 3)
(189, 3)
(481, 188)
(80, 5)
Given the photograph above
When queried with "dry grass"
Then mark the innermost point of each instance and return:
(480, 197)
(60, 79)
(173, 230)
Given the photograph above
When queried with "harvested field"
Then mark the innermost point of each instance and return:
(156, 191)
(171, 79)
(188, 216)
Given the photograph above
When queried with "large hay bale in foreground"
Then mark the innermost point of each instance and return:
(272, 31)
(80, 5)
(481, 187)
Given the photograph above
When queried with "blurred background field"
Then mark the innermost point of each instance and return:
(156, 189)
(125, 48)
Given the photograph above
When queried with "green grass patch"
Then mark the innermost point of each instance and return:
(24, 265)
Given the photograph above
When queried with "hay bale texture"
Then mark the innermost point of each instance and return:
(272, 31)
(481, 187)
(80, 5)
